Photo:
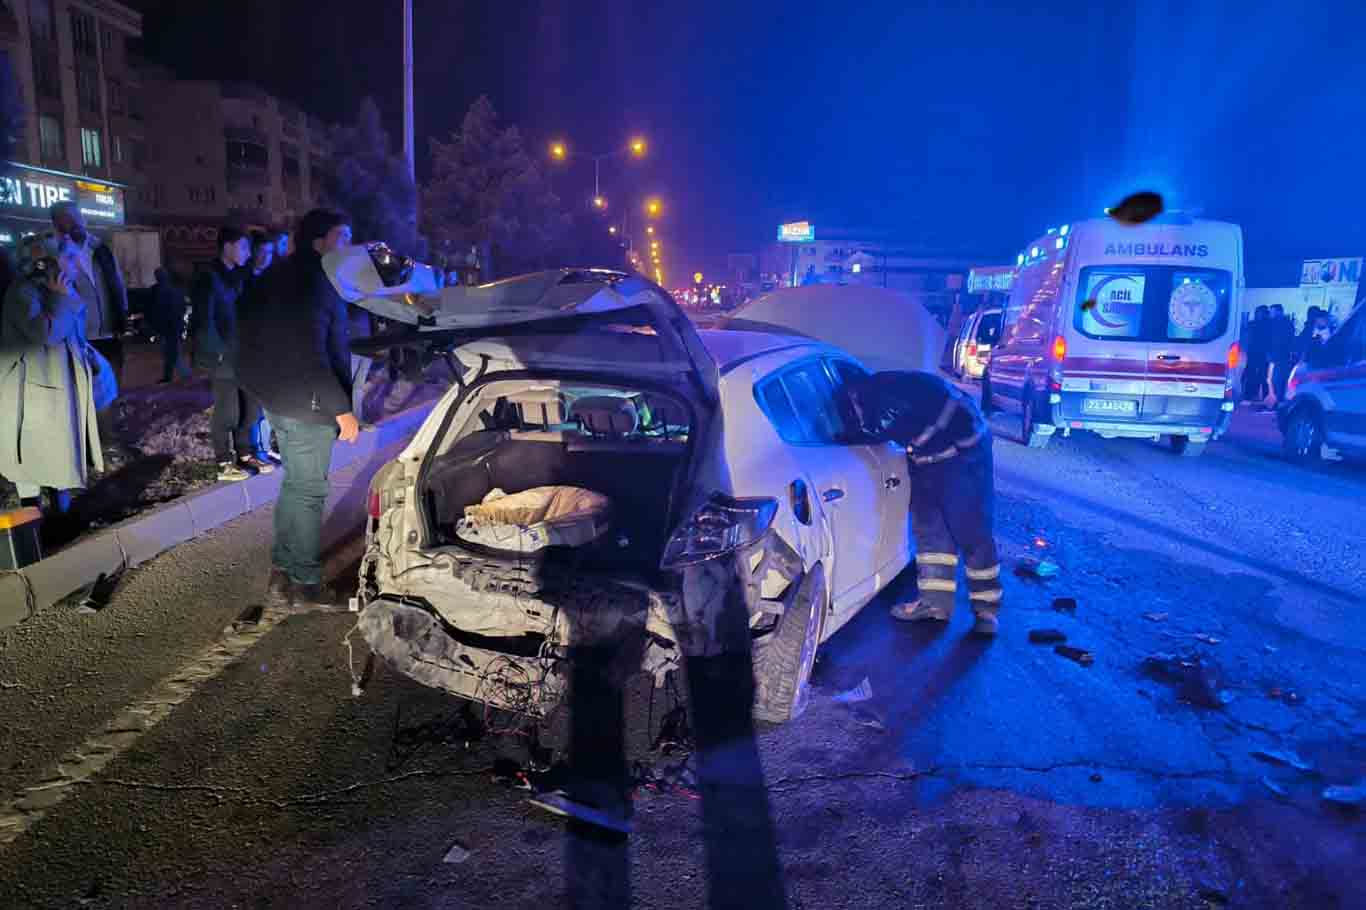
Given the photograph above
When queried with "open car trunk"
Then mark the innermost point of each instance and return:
(546, 506)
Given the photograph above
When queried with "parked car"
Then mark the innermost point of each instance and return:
(972, 349)
(1325, 401)
(603, 468)
(1124, 331)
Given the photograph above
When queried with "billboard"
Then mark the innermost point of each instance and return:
(28, 192)
(1331, 272)
(993, 278)
(796, 232)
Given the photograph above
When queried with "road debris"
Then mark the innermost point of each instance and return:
(1065, 604)
(456, 854)
(862, 692)
(97, 596)
(1046, 636)
(1156, 617)
(1273, 786)
(1206, 638)
(1037, 568)
(1195, 678)
(867, 717)
(1097, 777)
(1353, 796)
(1282, 757)
(1077, 655)
(559, 803)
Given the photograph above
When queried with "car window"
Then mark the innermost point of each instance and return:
(989, 329)
(802, 404)
(1153, 303)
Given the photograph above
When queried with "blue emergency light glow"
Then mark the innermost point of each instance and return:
(1064, 229)
(1061, 243)
(1019, 260)
(1034, 251)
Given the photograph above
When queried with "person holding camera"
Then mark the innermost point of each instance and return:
(50, 379)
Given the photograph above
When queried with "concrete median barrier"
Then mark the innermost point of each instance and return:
(142, 537)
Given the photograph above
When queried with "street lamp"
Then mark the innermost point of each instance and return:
(650, 229)
(559, 151)
(599, 203)
(638, 147)
(612, 229)
(653, 207)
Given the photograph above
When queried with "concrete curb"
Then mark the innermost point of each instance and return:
(138, 539)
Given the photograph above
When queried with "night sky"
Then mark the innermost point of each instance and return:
(970, 126)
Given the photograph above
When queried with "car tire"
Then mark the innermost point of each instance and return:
(1302, 438)
(1029, 431)
(783, 663)
(988, 406)
(1182, 445)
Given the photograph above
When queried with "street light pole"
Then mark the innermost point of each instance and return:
(409, 152)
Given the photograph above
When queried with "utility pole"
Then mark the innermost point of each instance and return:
(408, 142)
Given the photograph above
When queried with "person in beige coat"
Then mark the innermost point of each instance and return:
(48, 376)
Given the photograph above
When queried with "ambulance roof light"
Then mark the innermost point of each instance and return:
(1064, 229)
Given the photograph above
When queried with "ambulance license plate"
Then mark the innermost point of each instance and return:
(1109, 406)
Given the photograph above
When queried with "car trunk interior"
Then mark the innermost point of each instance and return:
(629, 449)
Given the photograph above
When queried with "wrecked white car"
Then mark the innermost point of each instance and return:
(604, 471)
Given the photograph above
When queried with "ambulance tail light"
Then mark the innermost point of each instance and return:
(1059, 349)
(373, 508)
(1235, 356)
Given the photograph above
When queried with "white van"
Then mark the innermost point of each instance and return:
(1123, 330)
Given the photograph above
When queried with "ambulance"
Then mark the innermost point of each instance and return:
(1124, 331)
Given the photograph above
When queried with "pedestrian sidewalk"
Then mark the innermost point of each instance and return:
(142, 537)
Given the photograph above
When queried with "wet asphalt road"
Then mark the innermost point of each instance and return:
(1000, 775)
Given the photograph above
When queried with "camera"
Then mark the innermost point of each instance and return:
(44, 269)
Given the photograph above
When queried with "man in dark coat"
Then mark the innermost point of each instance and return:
(100, 287)
(1280, 346)
(169, 306)
(297, 361)
(1258, 340)
(948, 445)
(217, 346)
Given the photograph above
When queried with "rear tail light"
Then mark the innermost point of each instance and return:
(1235, 356)
(373, 507)
(972, 349)
(1059, 348)
(721, 526)
(1293, 382)
(1055, 384)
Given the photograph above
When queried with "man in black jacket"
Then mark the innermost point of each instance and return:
(217, 346)
(948, 444)
(297, 361)
(169, 306)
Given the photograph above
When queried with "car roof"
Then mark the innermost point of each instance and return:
(731, 347)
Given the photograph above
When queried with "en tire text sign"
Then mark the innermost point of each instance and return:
(27, 192)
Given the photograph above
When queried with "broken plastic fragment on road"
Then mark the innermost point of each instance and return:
(1077, 655)
(1346, 796)
(862, 692)
(456, 854)
(1194, 677)
(1282, 757)
(1065, 604)
(1046, 636)
(1037, 568)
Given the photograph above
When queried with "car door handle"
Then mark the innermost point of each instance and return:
(833, 494)
(893, 482)
(1168, 356)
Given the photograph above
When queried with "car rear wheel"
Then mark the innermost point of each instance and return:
(1029, 431)
(1303, 436)
(1183, 445)
(783, 663)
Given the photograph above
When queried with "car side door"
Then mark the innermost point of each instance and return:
(1345, 383)
(845, 480)
(894, 501)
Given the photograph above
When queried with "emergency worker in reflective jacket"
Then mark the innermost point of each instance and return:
(948, 445)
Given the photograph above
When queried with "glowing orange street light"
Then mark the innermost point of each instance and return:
(638, 147)
(599, 202)
(650, 229)
(612, 229)
(558, 150)
(653, 207)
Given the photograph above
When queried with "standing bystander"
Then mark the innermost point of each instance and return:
(296, 359)
(98, 284)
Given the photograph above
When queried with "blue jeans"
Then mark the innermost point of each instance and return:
(306, 450)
